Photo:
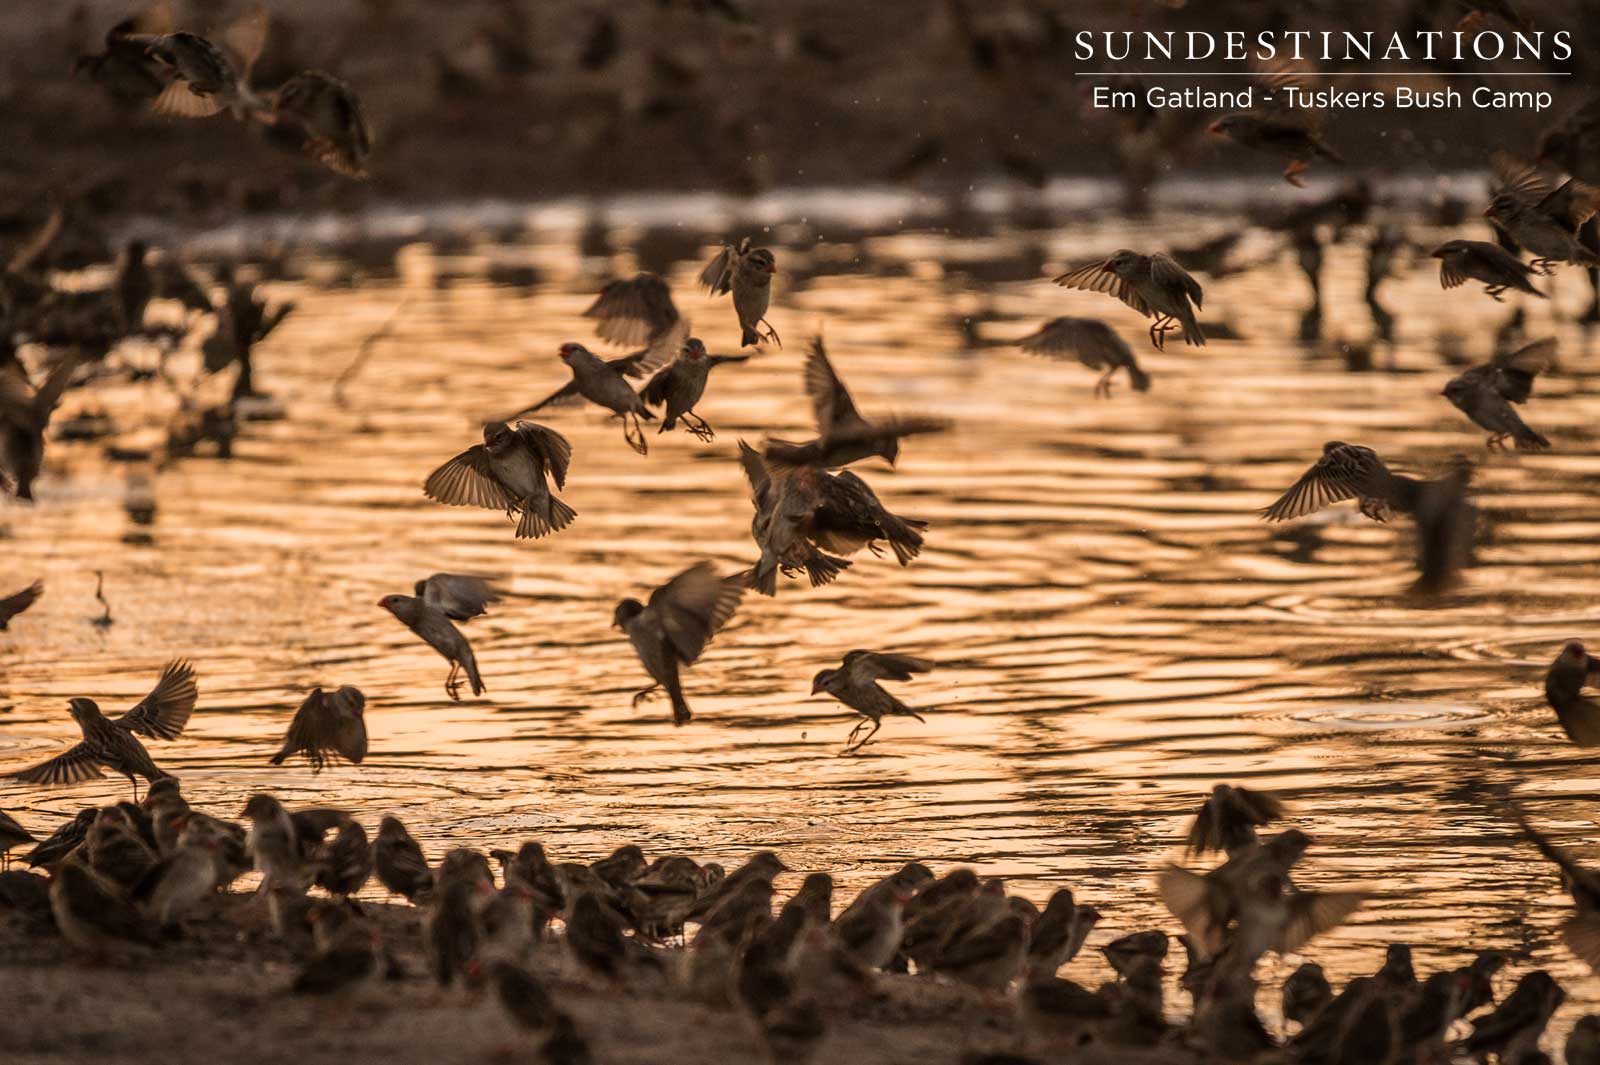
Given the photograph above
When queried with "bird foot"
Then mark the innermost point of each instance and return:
(701, 432)
(1293, 172)
(644, 694)
(635, 440)
(1494, 292)
(770, 333)
(1496, 442)
(452, 688)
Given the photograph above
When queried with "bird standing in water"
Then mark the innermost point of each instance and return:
(855, 684)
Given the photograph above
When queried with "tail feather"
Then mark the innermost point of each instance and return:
(749, 337)
(1528, 440)
(469, 662)
(905, 537)
(541, 517)
(764, 582)
(823, 569)
(1192, 333)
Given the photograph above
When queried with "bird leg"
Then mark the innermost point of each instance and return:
(1292, 172)
(633, 433)
(863, 742)
(1494, 292)
(452, 683)
(1102, 387)
(1543, 266)
(135, 782)
(1496, 442)
(643, 694)
(771, 333)
(1164, 323)
(699, 428)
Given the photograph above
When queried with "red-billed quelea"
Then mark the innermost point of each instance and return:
(1486, 393)
(433, 625)
(1580, 931)
(1154, 285)
(855, 684)
(461, 597)
(326, 115)
(326, 724)
(510, 471)
(1092, 343)
(25, 414)
(1541, 216)
(398, 860)
(110, 743)
(208, 77)
(604, 383)
(1573, 670)
(1347, 471)
(14, 604)
(1281, 132)
(680, 385)
(673, 629)
(1461, 261)
(747, 273)
(1228, 819)
(843, 435)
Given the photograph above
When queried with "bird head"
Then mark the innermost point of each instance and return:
(626, 611)
(493, 432)
(1456, 389)
(568, 350)
(694, 349)
(819, 683)
(260, 806)
(1225, 125)
(1123, 262)
(762, 260)
(83, 710)
(390, 602)
(1574, 654)
(390, 828)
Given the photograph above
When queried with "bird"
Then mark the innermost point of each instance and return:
(855, 684)
(523, 996)
(461, 597)
(342, 866)
(1479, 260)
(125, 69)
(326, 724)
(603, 382)
(1583, 1042)
(747, 273)
(1580, 931)
(326, 115)
(681, 383)
(1573, 670)
(1347, 471)
(1541, 218)
(1092, 343)
(1053, 938)
(1305, 994)
(17, 602)
(510, 471)
(92, 914)
(25, 414)
(1280, 132)
(275, 846)
(1485, 393)
(1229, 817)
(673, 629)
(110, 743)
(398, 860)
(843, 434)
(12, 835)
(433, 625)
(1154, 285)
(207, 77)
(1514, 1028)
(63, 841)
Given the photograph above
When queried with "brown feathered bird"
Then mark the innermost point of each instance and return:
(327, 723)
(1461, 261)
(747, 273)
(110, 743)
(1094, 344)
(1228, 819)
(1572, 671)
(1154, 285)
(673, 629)
(327, 119)
(1541, 216)
(433, 625)
(25, 414)
(1347, 471)
(1486, 393)
(510, 471)
(855, 684)
(680, 386)
(12, 605)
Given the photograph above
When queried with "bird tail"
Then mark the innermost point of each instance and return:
(749, 337)
(905, 536)
(1192, 333)
(157, 773)
(1138, 378)
(469, 662)
(1528, 440)
(821, 568)
(540, 517)
(667, 424)
(278, 758)
(680, 705)
(763, 581)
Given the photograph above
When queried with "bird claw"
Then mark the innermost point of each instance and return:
(642, 695)
(702, 432)
(452, 688)
(771, 333)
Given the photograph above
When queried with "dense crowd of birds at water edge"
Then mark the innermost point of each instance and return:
(127, 877)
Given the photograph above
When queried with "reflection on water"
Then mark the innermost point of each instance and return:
(1115, 628)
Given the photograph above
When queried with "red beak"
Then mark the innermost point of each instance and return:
(1488, 212)
(772, 268)
(815, 689)
(1215, 128)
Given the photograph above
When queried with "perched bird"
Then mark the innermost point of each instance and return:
(1126, 953)
(12, 835)
(454, 927)
(855, 684)
(988, 959)
(871, 934)
(762, 866)
(1397, 972)
(274, 846)
(1514, 1028)
(398, 860)
(843, 435)
(185, 877)
(1280, 132)
(327, 723)
(433, 625)
(679, 386)
(747, 273)
(673, 629)
(1479, 260)
(1305, 994)
(1229, 817)
(1540, 218)
(326, 116)
(1053, 938)
(462, 598)
(509, 471)
(1154, 285)
(1347, 471)
(908, 880)
(523, 996)
(207, 77)
(92, 915)
(1485, 393)
(1581, 931)
(110, 743)
(25, 414)
(603, 382)
(595, 939)
(1583, 1042)
(1573, 670)
(1092, 343)
(63, 841)
(14, 604)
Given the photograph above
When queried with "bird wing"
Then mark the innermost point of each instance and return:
(1450, 276)
(49, 393)
(39, 243)
(1577, 876)
(830, 400)
(1096, 278)
(694, 605)
(911, 425)
(1086, 339)
(1165, 272)
(1313, 912)
(717, 277)
(1519, 179)
(633, 311)
(468, 481)
(1531, 359)
(755, 471)
(868, 666)
(1342, 473)
(459, 596)
(179, 101)
(69, 767)
(246, 36)
(12, 605)
(551, 446)
(165, 711)
(718, 360)
(1572, 203)
(1191, 898)
(656, 389)
(566, 395)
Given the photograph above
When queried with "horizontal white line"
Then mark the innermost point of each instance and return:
(1321, 74)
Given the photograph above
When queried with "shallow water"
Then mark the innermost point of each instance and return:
(1116, 630)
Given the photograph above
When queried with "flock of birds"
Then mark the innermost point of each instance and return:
(126, 876)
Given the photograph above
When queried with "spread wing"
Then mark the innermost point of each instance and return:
(468, 481)
(1096, 278)
(694, 605)
(566, 395)
(634, 311)
(1572, 204)
(165, 711)
(1165, 272)
(460, 597)
(179, 101)
(1532, 359)
(1450, 275)
(1191, 898)
(69, 767)
(12, 605)
(655, 391)
(1519, 179)
(245, 38)
(1312, 913)
(551, 446)
(755, 471)
(49, 393)
(1087, 339)
(1343, 472)
(868, 666)
(830, 400)
(328, 721)
(717, 277)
